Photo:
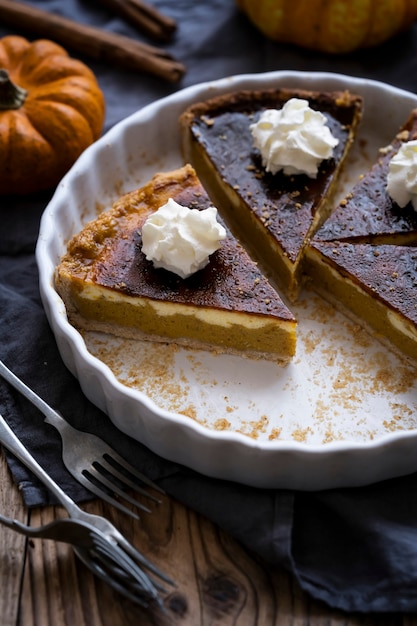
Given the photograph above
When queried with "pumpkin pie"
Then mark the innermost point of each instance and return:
(273, 215)
(107, 283)
(364, 258)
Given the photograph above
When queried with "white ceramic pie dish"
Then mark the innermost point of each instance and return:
(343, 414)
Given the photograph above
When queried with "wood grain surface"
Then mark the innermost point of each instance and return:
(218, 583)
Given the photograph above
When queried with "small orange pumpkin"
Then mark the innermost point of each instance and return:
(335, 26)
(51, 109)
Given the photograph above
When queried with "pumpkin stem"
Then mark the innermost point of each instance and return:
(11, 96)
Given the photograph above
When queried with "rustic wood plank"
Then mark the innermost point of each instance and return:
(12, 548)
(219, 583)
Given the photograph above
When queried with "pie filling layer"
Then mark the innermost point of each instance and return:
(185, 324)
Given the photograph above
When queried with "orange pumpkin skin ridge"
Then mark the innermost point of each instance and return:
(333, 26)
(63, 113)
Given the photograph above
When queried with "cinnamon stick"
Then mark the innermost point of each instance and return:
(144, 16)
(91, 41)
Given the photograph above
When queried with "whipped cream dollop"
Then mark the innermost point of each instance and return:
(180, 239)
(294, 139)
(402, 175)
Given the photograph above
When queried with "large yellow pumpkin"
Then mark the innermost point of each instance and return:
(51, 109)
(334, 26)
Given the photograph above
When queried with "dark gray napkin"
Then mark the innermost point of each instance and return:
(356, 549)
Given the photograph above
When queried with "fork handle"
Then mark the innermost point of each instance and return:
(52, 417)
(13, 443)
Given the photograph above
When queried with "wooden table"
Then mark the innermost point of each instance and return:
(219, 583)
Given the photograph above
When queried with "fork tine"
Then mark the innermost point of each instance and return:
(116, 458)
(100, 478)
(140, 558)
(98, 569)
(105, 496)
(110, 468)
(110, 551)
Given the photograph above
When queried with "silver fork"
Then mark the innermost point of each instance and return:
(88, 458)
(104, 559)
(142, 585)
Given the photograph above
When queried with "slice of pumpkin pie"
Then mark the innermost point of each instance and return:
(369, 212)
(271, 160)
(160, 287)
(364, 258)
(376, 284)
